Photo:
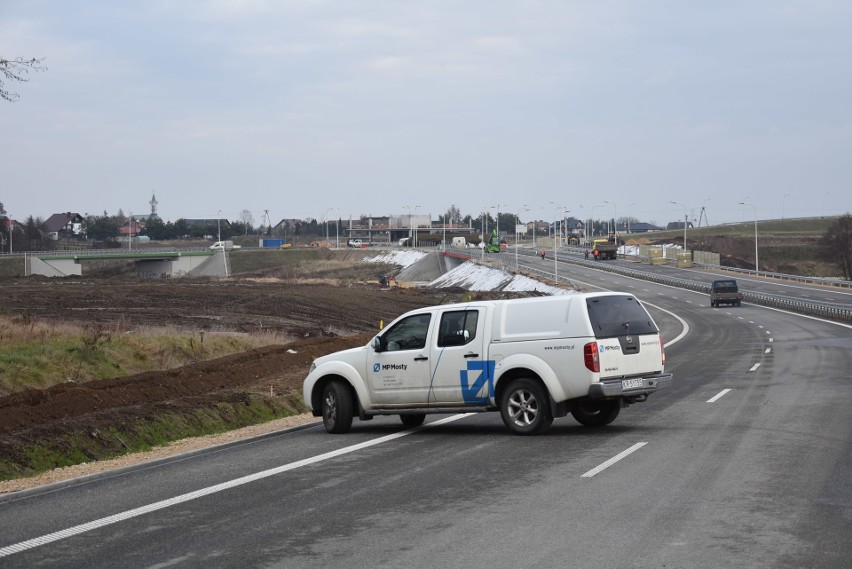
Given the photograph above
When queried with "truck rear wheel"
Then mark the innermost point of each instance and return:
(596, 413)
(413, 419)
(337, 407)
(525, 407)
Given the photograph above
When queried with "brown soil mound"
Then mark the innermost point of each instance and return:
(281, 368)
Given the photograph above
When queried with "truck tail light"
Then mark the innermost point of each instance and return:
(590, 357)
(663, 351)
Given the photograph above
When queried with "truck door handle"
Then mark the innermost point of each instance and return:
(471, 355)
(420, 359)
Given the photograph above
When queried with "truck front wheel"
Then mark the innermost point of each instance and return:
(525, 407)
(596, 413)
(337, 407)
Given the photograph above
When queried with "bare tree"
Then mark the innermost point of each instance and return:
(838, 244)
(247, 219)
(16, 70)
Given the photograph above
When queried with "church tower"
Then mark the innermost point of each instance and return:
(153, 203)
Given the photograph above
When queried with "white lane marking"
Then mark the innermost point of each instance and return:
(760, 326)
(718, 396)
(684, 330)
(768, 332)
(771, 339)
(767, 350)
(751, 321)
(613, 460)
(754, 367)
(120, 517)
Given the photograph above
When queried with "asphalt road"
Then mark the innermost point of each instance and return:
(819, 294)
(757, 476)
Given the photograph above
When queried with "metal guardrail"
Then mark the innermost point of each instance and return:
(103, 252)
(825, 281)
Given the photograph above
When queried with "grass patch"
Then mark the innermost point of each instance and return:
(87, 443)
(308, 266)
(36, 354)
(11, 266)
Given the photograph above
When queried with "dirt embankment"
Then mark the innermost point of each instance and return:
(319, 319)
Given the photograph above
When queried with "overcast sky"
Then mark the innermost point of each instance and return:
(342, 108)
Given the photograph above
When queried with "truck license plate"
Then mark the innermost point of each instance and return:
(631, 383)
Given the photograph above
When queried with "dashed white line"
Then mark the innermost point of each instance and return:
(754, 367)
(771, 339)
(767, 350)
(613, 460)
(718, 396)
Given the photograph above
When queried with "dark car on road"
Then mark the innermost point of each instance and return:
(725, 292)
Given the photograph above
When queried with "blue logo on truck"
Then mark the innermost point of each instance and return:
(470, 391)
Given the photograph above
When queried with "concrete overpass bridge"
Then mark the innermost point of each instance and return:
(148, 263)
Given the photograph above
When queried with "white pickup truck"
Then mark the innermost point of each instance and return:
(532, 359)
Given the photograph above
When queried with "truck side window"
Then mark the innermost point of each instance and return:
(408, 334)
(457, 328)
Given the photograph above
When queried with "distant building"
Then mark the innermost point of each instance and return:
(131, 227)
(153, 214)
(538, 227)
(678, 225)
(286, 227)
(61, 225)
(642, 227)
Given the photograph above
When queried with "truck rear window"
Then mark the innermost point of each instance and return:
(725, 286)
(613, 316)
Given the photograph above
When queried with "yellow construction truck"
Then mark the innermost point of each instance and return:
(605, 248)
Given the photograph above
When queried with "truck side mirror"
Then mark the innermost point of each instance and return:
(376, 344)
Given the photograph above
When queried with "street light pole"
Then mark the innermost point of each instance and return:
(593, 219)
(497, 226)
(628, 216)
(327, 239)
(517, 222)
(756, 265)
(614, 218)
(685, 218)
(219, 237)
(555, 264)
(444, 233)
(416, 223)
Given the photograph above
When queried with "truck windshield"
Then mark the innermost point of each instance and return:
(613, 316)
